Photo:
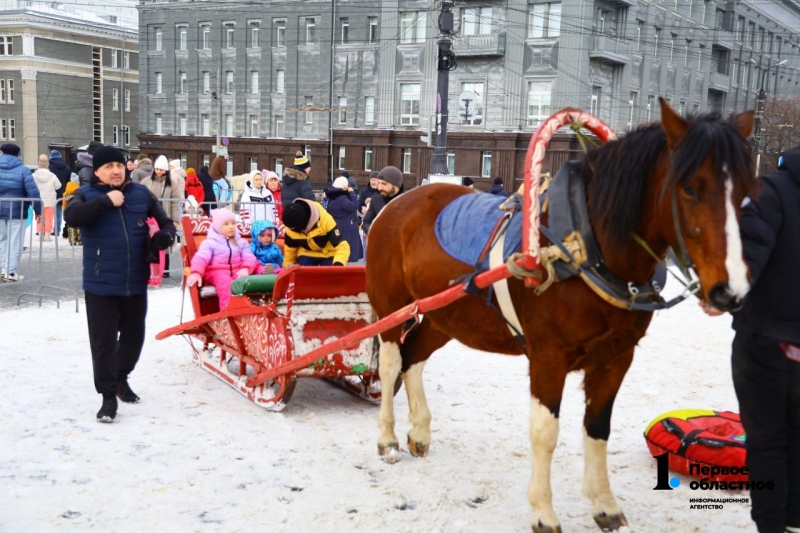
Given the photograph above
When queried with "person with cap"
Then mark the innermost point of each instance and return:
(312, 237)
(351, 181)
(390, 186)
(168, 188)
(766, 348)
(257, 201)
(295, 181)
(194, 188)
(48, 185)
(368, 192)
(468, 182)
(84, 164)
(273, 182)
(497, 189)
(61, 169)
(144, 169)
(343, 207)
(16, 181)
(112, 214)
(177, 174)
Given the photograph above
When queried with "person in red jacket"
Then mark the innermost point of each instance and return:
(194, 187)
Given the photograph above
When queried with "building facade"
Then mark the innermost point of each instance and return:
(353, 84)
(66, 79)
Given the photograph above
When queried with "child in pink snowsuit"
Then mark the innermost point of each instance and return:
(222, 257)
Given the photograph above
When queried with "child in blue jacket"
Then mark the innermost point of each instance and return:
(269, 254)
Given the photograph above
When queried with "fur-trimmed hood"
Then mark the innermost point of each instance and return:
(85, 159)
(290, 175)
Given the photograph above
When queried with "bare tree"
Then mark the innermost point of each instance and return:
(781, 119)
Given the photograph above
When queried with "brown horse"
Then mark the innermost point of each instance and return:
(703, 162)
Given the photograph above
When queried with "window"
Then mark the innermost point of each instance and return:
(770, 41)
(228, 82)
(229, 125)
(2, 91)
(254, 30)
(279, 81)
(229, 167)
(651, 104)
(632, 110)
(205, 36)
(182, 83)
(544, 20)
(372, 36)
(114, 99)
(279, 167)
(206, 77)
(345, 23)
(159, 82)
(476, 21)
(126, 135)
(751, 34)
(309, 114)
(741, 29)
(115, 135)
(476, 107)
(686, 48)
(159, 124)
(254, 82)
(700, 57)
(762, 39)
(253, 125)
(412, 27)
(594, 106)
(280, 33)
(486, 164)
(183, 159)
(368, 158)
(182, 124)
(672, 37)
(229, 34)
(3, 129)
(406, 160)
(182, 37)
(113, 59)
(600, 24)
(735, 72)
(369, 115)
(681, 107)
(341, 162)
(6, 49)
(639, 30)
(127, 95)
(451, 162)
(307, 151)
(12, 129)
(655, 42)
(10, 91)
(159, 39)
(278, 125)
(205, 125)
(538, 102)
(342, 110)
(409, 104)
(311, 27)
(206, 160)
(126, 60)
(253, 164)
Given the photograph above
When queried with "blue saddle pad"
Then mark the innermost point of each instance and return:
(465, 225)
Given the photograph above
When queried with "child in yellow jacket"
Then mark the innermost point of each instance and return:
(312, 236)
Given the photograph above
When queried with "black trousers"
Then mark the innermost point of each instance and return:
(767, 385)
(306, 260)
(116, 337)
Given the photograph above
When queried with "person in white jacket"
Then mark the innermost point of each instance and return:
(48, 185)
(258, 203)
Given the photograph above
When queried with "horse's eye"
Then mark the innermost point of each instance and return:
(691, 193)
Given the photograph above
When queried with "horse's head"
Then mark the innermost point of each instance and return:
(710, 173)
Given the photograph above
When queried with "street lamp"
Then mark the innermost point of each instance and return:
(761, 99)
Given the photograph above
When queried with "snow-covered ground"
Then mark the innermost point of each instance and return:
(196, 456)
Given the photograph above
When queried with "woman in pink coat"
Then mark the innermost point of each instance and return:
(222, 257)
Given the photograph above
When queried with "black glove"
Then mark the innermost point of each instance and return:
(162, 240)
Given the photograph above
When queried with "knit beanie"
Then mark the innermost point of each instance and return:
(296, 216)
(161, 163)
(190, 172)
(175, 163)
(55, 154)
(270, 175)
(93, 147)
(10, 149)
(498, 180)
(391, 175)
(301, 161)
(340, 182)
(373, 174)
(107, 154)
(345, 173)
(220, 217)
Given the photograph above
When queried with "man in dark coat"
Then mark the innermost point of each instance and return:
(497, 188)
(111, 212)
(208, 189)
(368, 192)
(85, 167)
(295, 182)
(390, 186)
(766, 348)
(61, 169)
(343, 207)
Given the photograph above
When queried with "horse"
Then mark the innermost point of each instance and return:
(699, 168)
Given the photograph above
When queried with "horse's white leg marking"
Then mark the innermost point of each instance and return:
(734, 260)
(419, 415)
(389, 362)
(544, 434)
(595, 477)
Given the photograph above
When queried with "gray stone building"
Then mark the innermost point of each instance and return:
(352, 83)
(66, 78)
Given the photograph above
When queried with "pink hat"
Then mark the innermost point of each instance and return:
(221, 216)
(268, 175)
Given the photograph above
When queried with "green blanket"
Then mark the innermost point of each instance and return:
(253, 284)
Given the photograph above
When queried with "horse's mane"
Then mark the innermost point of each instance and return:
(617, 173)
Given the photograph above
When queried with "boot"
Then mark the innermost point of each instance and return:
(47, 238)
(125, 393)
(108, 411)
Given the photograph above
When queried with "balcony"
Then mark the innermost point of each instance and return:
(722, 38)
(480, 45)
(610, 50)
(719, 82)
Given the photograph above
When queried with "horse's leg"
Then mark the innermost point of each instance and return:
(601, 384)
(547, 386)
(389, 364)
(418, 347)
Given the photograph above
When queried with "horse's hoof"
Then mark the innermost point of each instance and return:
(390, 453)
(610, 522)
(541, 528)
(418, 449)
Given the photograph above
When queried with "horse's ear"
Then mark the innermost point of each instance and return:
(744, 123)
(672, 124)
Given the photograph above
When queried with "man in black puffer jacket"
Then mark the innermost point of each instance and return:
(766, 348)
(61, 169)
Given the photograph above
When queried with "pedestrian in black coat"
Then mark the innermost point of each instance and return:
(343, 207)
(390, 186)
(208, 189)
(295, 182)
(61, 169)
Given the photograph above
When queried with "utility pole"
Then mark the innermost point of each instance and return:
(446, 63)
(761, 100)
(218, 98)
